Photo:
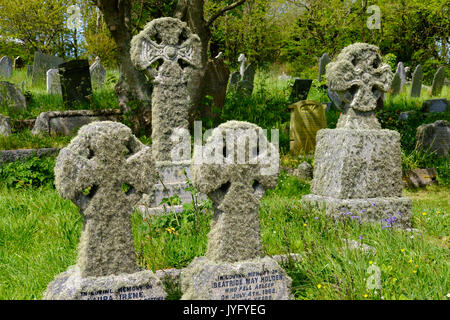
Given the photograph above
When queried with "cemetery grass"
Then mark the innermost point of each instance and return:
(39, 234)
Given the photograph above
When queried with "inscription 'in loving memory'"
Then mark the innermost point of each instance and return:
(125, 293)
(254, 286)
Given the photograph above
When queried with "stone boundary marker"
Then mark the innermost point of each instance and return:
(15, 155)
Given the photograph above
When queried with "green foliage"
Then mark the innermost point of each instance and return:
(30, 173)
(26, 140)
(391, 60)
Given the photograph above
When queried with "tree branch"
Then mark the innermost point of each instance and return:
(181, 9)
(223, 10)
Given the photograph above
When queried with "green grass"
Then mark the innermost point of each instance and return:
(26, 140)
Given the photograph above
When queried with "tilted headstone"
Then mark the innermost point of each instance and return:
(300, 89)
(401, 71)
(98, 73)
(396, 84)
(234, 267)
(307, 117)
(105, 170)
(323, 61)
(6, 67)
(53, 82)
(29, 70)
(438, 82)
(75, 82)
(18, 63)
(358, 165)
(5, 125)
(434, 138)
(42, 63)
(171, 44)
(335, 99)
(416, 84)
(12, 97)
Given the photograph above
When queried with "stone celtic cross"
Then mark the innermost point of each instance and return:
(104, 171)
(360, 78)
(169, 53)
(236, 190)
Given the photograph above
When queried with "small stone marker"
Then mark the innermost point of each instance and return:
(6, 67)
(438, 82)
(435, 105)
(11, 96)
(418, 178)
(243, 81)
(104, 171)
(233, 267)
(300, 89)
(98, 73)
(434, 137)
(53, 82)
(401, 71)
(76, 82)
(357, 166)
(42, 63)
(18, 63)
(416, 84)
(307, 117)
(396, 85)
(5, 125)
(323, 61)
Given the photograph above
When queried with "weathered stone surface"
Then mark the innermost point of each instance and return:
(29, 70)
(67, 122)
(256, 279)
(335, 99)
(304, 171)
(405, 115)
(53, 82)
(177, 50)
(243, 81)
(438, 82)
(416, 84)
(5, 125)
(434, 137)
(76, 84)
(18, 63)
(11, 96)
(307, 117)
(396, 84)
(15, 155)
(435, 105)
(421, 177)
(401, 71)
(6, 67)
(323, 61)
(98, 73)
(360, 78)
(300, 89)
(42, 63)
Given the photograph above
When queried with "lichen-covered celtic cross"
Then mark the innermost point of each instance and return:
(235, 189)
(360, 78)
(169, 52)
(105, 171)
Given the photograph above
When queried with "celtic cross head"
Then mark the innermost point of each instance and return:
(167, 50)
(360, 78)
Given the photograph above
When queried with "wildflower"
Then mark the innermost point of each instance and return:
(365, 296)
(402, 250)
(424, 213)
(417, 266)
(363, 210)
(304, 224)
(373, 204)
(410, 260)
(448, 295)
(370, 262)
(438, 212)
(360, 237)
(414, 271)
(319, 286)
(316, 218)
(390, 118)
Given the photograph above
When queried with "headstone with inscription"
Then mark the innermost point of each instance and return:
(53, 82)
(323, 61)
(300, 89)
(434, 138)
(42, 63)
(171, 42)
(438, 82)
(76, 84)
(6, 67)
(307, 118)
(358, 165)
(105, 170)
(235, 178)
(12, 97)
(416, 84)
(98, 73)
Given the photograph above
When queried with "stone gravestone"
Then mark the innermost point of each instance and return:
(53, 82)
(29, 70)
(178, 51)
(401, 71)
(323, 61)
(233, 267)
(11, 96)
(438, 82)
(6, 67)
(104, 171)
(434, 137)
(357, 166)
(307, 117)
(300, 89)
(75, 82)
(243, 81)
(396, 85)
(5, 125)
(18, 63)
(435, 105)
(42, 63)
(416, 84)
(98, 73)
(335, 100)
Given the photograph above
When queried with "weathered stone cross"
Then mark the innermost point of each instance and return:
(169, 52)
(236, 190)
(359, 77)
(104, 171)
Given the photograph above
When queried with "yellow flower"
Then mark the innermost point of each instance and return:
(414, 271)
(424, 213)
(410, 260)
(417, 266)
(319, 286)
(370, 262)
(402, 250)
(304, 224)
(438, 212)
(365, 296)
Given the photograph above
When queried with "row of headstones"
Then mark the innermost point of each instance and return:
(6, 66)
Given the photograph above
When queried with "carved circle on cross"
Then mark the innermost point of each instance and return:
(359, 76)
(167, 50)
